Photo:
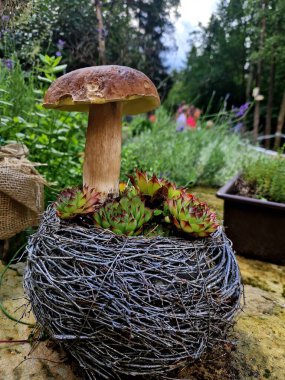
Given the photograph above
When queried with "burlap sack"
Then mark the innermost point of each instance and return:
(21, 191)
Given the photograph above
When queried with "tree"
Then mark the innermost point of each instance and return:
(280, 123)
(242, 47)
(256, 117)
(101, 33)
(217, 56)
(91, 32)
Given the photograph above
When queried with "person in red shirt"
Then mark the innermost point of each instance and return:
(192, 117)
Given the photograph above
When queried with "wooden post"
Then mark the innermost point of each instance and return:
(102, 159)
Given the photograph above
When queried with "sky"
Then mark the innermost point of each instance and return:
(191, 13)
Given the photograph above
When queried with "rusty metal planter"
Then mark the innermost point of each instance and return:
(256, 227)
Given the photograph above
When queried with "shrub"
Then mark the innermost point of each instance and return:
(204, 156)
(266, 176)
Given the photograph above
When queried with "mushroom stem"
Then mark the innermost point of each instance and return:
(102, 160)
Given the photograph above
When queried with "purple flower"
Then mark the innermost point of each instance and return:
(239, 112)
(58, 54)
(8, 63)
(5, 18)
(60, 44)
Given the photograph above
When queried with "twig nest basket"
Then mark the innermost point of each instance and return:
(131, 305)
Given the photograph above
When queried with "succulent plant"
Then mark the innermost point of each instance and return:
(147, 186)
(127, 190)
(123, 217)
(128, 214)
(73, 202)
(174, 192)
(191, 216)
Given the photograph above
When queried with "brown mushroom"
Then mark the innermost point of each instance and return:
(107, 93)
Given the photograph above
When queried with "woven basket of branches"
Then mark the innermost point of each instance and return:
(131, 305)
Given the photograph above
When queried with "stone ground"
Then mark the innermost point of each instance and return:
(257, 350)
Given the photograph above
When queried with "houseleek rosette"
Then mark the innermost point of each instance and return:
(191, 216)
(73, 202)
(124, 217)
(147, 186)
(154, 188)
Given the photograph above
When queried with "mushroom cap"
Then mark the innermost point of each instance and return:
(76, 90)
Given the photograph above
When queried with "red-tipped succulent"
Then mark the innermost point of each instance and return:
(127, 214)
(191, 216)
(147, 186)
(174, 192)
(73, 202)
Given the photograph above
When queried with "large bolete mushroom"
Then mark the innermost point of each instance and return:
(107, 93)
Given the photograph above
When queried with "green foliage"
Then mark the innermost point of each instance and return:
(177, 93)
(216, 60)
(225, 58)
(267, 176)
(214, 163)
(204, 156)
(17, 94)
(138, 125)
(55, 139)
(50, 67)
(134, 32)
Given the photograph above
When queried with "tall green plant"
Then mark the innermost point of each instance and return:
(266, 176)
(55, 140)
(204, 156)
(17, 94)
(50, 67)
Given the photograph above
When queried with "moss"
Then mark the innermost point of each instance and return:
(256, 282)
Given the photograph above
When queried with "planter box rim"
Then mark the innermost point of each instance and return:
(224, 193)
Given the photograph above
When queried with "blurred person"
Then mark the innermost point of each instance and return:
(181, 120)
(180, 108)
(193, 116)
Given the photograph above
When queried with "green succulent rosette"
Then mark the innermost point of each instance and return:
(73, 202)
(147, 186)
(124, 217)
(191, 216)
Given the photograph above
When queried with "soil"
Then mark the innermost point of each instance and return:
(245, 189)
